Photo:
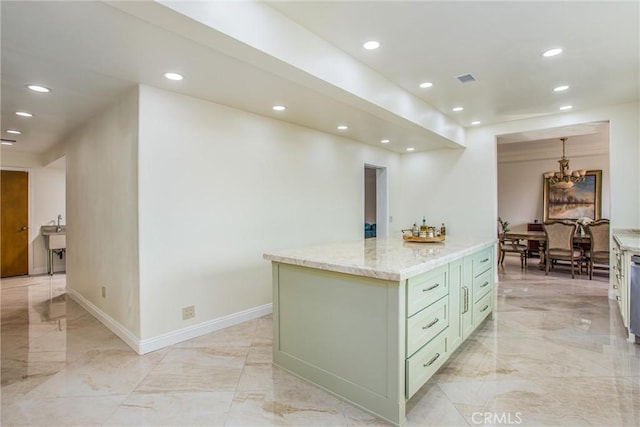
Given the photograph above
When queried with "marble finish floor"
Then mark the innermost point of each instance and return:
(555, 354)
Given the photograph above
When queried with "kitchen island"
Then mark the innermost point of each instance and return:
(372, 320)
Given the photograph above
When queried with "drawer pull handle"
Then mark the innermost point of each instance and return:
(484, 260)
(430, 288)
(615, 286)
(436, 320)
(618, 297)
(466, 299)
(484, 284)
(484, 309)
(431, 362)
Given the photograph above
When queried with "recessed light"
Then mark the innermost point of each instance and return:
(385, 141)
(560, 88)
(411, 149)
(14, 131)
(343, 127)
(552, 52)
(38, 88)
(457, 109)
(7, 143)
(279, 108)
(371, 45)
(23, 114)
(173, 76)
(566, 107)
(425, 85)
(477, 122)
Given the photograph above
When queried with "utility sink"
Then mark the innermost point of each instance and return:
(55, 241)
(54, 238)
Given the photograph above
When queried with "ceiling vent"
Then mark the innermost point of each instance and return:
(467, 78)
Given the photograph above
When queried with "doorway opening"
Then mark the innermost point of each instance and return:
(523, 198)
(375, 201)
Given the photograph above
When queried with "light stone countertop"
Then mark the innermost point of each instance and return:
(629, 240)
(388, 258)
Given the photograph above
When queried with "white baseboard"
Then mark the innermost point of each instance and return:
(57, 268)
(174, 337)
(36, 271)
(161, 341)
(113, 325)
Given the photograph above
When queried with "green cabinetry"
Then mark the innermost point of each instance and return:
(375, 342)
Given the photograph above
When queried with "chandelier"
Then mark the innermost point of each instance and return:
(565, 177)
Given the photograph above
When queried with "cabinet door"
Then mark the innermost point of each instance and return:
(618, 277)
(455, 299)
(466, 296)
(625, 262)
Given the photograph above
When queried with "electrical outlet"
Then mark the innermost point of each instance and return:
(188, 312)
(104, 292)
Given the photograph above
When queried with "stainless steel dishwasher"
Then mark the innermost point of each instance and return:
(634, 296)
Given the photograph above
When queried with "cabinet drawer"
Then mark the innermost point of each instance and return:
(425, 289)
(481, 261)
(426, 324)
(482, 284)
(482, 308)
(422, 365)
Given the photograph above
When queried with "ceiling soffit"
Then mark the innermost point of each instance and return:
(254, 33)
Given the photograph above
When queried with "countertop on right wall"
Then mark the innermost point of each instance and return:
(628, 239)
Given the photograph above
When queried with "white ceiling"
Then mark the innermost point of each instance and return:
(589, 139)
(90, 53)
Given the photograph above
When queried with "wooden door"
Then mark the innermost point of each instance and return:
(14, 219)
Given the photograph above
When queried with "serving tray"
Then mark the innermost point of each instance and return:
(423, 239)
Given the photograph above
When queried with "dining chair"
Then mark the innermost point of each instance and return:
(513, 246)
(559, 244)
(599, 251)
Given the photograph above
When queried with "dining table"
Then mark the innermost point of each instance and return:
(584, 241)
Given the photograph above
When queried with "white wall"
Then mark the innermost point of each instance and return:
(520, 187)
(102, 214)
(459, 187)
(176, 206)
(624, 159)
(11, 158)
(454, 186)
(219, 187)
(46, 201)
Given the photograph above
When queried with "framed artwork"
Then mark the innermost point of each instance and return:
(581, 200)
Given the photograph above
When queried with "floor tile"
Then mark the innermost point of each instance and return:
(173, 409)
(554, 354)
